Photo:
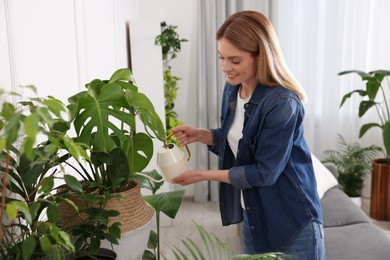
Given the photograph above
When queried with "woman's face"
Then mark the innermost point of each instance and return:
(239, 66)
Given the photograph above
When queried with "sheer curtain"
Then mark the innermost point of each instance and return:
(318, 40)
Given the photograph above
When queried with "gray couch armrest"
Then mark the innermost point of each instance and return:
(332, 168)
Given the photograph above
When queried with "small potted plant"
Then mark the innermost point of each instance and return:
(352, 162)
(374, 95)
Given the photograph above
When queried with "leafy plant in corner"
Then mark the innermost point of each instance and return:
(170, 42)
(29, 210)
(373, 86)
(352, 161)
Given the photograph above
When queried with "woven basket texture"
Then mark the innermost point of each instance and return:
(134, 211)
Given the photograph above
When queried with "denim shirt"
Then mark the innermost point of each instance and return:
(273, 167)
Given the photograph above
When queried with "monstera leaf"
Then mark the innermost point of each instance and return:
(96, 114)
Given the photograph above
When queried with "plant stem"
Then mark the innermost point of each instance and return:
(385, 99)
(3, 190)
(158, 233)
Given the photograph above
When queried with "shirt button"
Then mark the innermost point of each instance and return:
(252, 227)
(247, 208)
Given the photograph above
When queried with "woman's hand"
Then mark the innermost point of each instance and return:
(187, 134)
(189, 177)
(195, 176)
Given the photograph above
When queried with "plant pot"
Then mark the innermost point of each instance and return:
(357, 201)
(135, 217)
(133, 243)
(134, 211)
(380, 190)
(102, 254)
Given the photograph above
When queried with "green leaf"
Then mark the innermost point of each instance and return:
(121, 74)
(118, 168)
(115, 230)
(28, 247)
(14, 206)
(366, 127)
(12, 129)
(52, 212)
(45, 243)
(55, 252)
(8, 110)
(47, 184)
(149, 184)
(96, 114)
(139, 151)
(67, 243)
(348, 95)
(95, 244)
(153, 240)
(167, 202)
(55, 106)
(386, 137)
(73, 183)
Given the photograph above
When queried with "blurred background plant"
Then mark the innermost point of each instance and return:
(352, 161)
(170, 43)
(31, 134)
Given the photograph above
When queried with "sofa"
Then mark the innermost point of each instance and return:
(349, 232)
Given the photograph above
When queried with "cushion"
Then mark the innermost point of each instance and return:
(362, 241)
(325, 179)
(339, 210)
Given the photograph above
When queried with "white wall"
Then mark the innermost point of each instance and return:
(184, 15)
(60, 45)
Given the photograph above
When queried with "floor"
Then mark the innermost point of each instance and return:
(384, 225)
(205, 215)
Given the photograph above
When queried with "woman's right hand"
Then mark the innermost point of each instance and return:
(187, 134)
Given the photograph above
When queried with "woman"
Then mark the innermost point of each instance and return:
(266, 174)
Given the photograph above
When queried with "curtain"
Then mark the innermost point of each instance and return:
(211, 80)
(318, 39)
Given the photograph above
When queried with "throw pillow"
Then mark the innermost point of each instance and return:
(325, 179)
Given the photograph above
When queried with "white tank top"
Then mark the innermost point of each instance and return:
(235, 131)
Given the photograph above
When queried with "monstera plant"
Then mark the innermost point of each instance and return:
(105, 117)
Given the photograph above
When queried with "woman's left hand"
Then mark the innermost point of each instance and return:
(195, 176)
(190, 177)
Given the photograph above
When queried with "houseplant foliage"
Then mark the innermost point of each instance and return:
(27, 170)
(211, 247)
(114, 154)
(162, 202)
(104, 117)
(375, 96)
(170, 43)
(352, 161)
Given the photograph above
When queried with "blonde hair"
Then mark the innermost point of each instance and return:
(252, 32)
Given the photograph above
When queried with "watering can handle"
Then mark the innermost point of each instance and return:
(148, 177)
(186, 146)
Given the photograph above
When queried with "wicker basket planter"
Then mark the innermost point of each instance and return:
(135, 217)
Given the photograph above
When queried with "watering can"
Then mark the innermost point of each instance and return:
(172, 161)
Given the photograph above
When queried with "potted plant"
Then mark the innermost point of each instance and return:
(352, 161)
(115, 153)
(374, 96)
(29, 211)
